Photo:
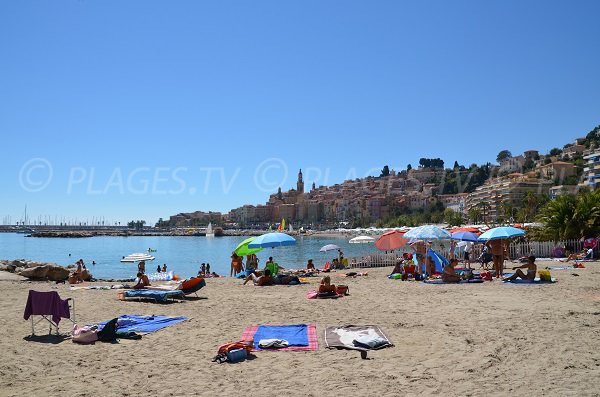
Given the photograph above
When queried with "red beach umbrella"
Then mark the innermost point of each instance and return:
(391, 241)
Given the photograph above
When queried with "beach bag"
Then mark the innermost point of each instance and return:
(342, 290)
(226, 351)
(486, 276)
(545, 275)
(83, 335)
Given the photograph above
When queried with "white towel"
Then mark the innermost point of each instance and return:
(273, 343)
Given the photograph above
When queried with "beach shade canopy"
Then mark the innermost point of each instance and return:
(361, 240)
(391, 240)
(428, 232)
(439, 260)
(243, 250)
(271, 240)
(464, 236)
(329, 247)
(501, 232)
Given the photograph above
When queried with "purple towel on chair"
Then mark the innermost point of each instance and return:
(47, 303)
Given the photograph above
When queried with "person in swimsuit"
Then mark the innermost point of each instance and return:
(421, 250)
(310, 265)
(531, 270)
(265, 279)
(236, 265)
(326, 287)
(141, 281)
(142, 267)
(449, 275)
(497, 249)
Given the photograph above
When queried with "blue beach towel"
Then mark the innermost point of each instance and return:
(153, 294)
(296, 335)
(146, 324)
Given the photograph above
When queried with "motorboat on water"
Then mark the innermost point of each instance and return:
(137, 258)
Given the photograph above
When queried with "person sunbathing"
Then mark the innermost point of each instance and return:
(449, 275)
(265, 279)
(141, 281)
(326, 288)
(531, 271)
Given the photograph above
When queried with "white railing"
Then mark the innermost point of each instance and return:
(541, 249)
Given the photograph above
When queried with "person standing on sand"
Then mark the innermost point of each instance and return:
(497, 248)
(452, 253)
(468, 250)
(420, 249)
(237, 265)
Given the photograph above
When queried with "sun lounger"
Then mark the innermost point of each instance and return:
(187, 287)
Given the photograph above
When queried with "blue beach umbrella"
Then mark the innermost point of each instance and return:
(501, 232)
(271, 240)
(464, 236)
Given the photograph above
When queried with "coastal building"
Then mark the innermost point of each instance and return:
(558, 170)
(490, 198)
(456, 202)
(572, 150)
(511, 164)
(591, 172)
(561, 190)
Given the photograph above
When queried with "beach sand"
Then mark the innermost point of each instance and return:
(463, 340)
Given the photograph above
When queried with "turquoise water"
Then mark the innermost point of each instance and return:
(183, 255)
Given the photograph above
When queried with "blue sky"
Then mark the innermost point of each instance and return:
(142, 109)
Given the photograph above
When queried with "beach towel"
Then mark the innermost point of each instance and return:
(563, 268)
(162, 276)
(300, 337)
(536, 281)
(440, 281)
(46, 303)
(143, 324)
(356, 337)
(152, 294)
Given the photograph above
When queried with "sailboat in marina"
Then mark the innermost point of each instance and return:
(209, 230)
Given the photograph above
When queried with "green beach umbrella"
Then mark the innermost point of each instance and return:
(243, 250)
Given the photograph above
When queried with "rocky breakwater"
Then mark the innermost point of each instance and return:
(36, 270)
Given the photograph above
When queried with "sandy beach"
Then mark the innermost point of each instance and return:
(463, 340)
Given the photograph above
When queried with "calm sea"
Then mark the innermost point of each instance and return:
(183, 255)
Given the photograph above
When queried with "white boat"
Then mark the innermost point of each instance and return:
(137, 258)
(209, 230)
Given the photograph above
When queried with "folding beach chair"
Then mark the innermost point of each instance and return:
(50, 307)
(192, 285)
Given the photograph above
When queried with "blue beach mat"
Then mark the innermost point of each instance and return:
(146, 324)
(296, 335)
(440, 281)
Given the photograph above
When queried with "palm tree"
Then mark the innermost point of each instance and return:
(558, 217)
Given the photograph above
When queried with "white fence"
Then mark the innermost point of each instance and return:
(540, 249)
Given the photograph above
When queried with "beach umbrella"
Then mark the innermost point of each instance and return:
(428, 232)
(500, 233)
(271, 240)
(329, 247)
(361, 240)
(243, 250)
(464, 236)
(390, 241)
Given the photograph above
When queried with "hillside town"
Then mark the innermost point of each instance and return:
(508, 191)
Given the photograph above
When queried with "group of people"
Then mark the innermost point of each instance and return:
(237, 264)
(205, 271)
(80, 274)
(163, 270)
